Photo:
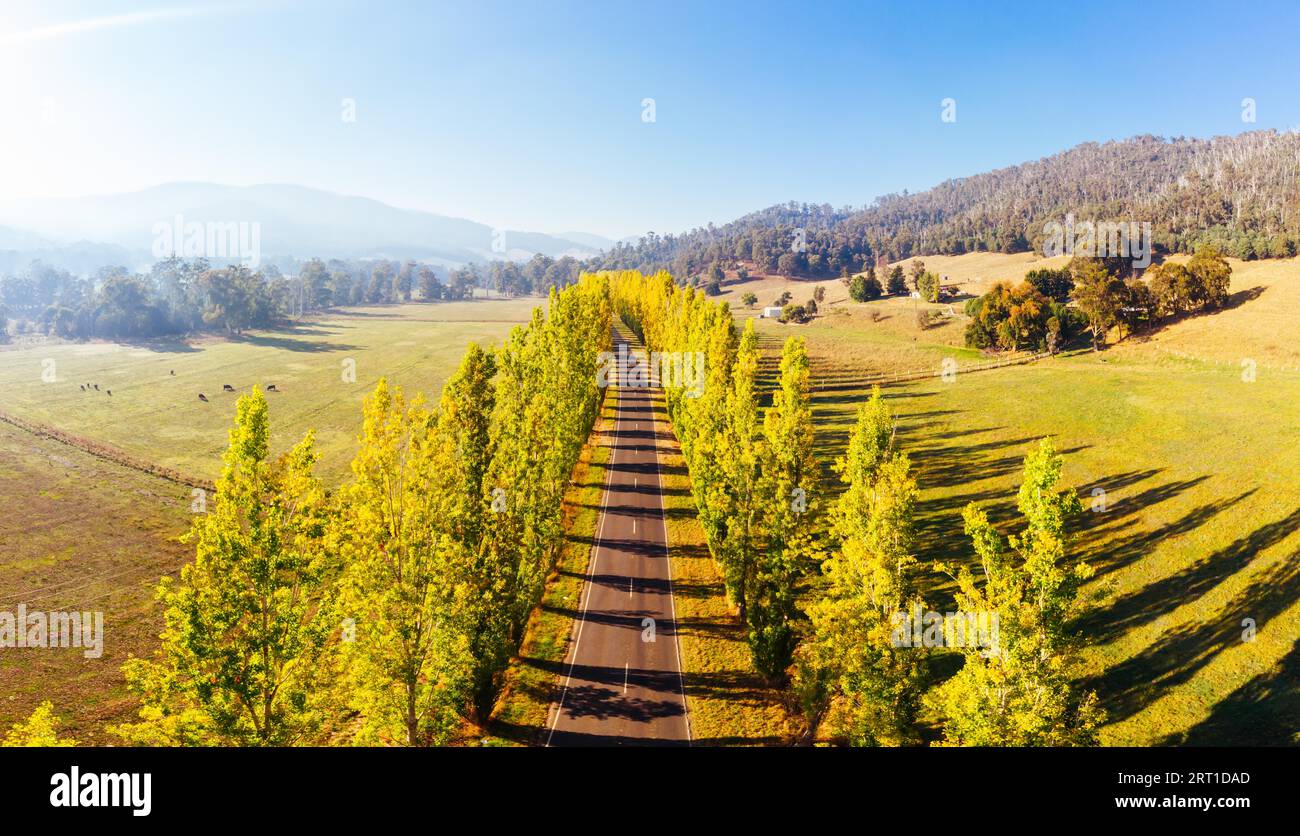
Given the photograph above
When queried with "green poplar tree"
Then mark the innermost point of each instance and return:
(1018, 693)
(245, 656)
(790, 479)
(850, 660)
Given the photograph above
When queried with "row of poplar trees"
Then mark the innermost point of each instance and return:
(752, 471)
(756, 486)
(386, 611)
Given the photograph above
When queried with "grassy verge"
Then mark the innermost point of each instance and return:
(530, 681)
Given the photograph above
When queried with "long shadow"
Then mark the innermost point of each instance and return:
(1241, 297)
(648, 467)
(657, 586)
(162, 346)
(1263, 712)
(625, 619)
(643, 435)
(662, 681)
(633, 547)
(633, 447)
(354, 314)
(947, 466)
(1178, 655)
(1192, 582)
(289, 344)
(641, 490)
(644, 513)
(1108, 555)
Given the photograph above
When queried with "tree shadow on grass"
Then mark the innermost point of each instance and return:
(162, 345)
(285, 343)
(1101, 545)
(1178, 655)
(1263, 712)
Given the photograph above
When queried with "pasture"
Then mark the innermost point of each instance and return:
(1187, 468)
(82, 534)
(322, 370)
(1191, 470)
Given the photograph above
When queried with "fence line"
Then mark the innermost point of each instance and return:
(906, 376)
(105, 452)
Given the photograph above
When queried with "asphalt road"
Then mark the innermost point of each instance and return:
(622, 680)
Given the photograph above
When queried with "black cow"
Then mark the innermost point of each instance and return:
(110, 393)
(96, 387)
(270, 387)
(226, 387)
(203, 397)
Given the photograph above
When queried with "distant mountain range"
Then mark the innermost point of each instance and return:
(81, 234)
(1240, 193)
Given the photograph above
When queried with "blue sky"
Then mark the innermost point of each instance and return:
(528, 115)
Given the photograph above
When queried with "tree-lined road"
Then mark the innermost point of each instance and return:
(622, 682)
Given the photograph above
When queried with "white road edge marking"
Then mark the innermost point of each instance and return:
(591, 573)
(672, 602)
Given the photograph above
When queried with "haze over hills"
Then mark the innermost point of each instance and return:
(1241, 193)
(294, 221)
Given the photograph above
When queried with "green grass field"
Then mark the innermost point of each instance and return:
(157, 415)
(1198, 466)
(1200, 532)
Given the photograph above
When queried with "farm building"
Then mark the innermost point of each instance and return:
(771, 312)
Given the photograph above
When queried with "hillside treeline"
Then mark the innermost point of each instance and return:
(1238, 193)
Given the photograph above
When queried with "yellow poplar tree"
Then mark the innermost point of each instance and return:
(245, 651)
(410, 665)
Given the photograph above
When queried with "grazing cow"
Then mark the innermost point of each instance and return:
(96, 387)
(203, 397)
(270, 387)
(110, 393)
(172, 372)
(226, 387)
(83, 388)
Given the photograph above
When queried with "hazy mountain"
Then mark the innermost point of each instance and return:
(20, 239)
(293, 221)
(599, 242)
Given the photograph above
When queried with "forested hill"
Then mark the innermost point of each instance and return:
(1241, 193)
